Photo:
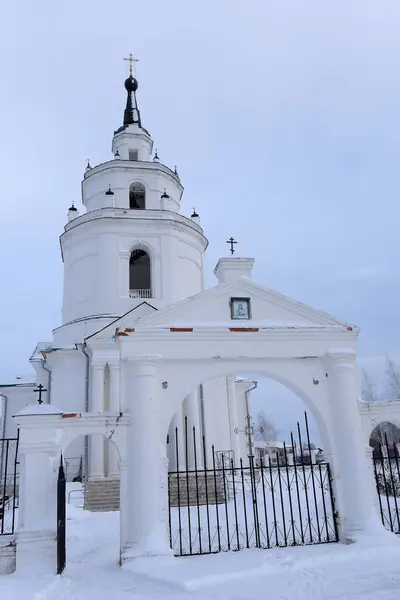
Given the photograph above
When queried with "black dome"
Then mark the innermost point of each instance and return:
(131, 84)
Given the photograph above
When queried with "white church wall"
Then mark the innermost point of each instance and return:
(68, 389)
(96, 262)
(244, 408)
(120, 174)
(216, 416)
(374, 413)
(14, 398)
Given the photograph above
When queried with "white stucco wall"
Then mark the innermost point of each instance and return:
(374, 413)
(96, 252)
(14, 398)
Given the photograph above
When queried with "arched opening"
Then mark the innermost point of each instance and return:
(92, 500)
(137, 196)
(385, 440)
(244, 474)
(140, 274)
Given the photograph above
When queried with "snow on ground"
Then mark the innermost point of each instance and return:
(366, 570)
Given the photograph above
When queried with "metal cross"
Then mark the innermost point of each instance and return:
(231, 241)
(40, 389)
(131, 60)
(249, 430)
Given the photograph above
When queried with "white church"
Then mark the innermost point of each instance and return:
(144, 348)
(129, 255)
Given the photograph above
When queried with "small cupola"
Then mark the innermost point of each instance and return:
(156, 158)
(88, 166)
(195, 217)
(72, 212)
(132, 141)
(164, 199)
(110, 195)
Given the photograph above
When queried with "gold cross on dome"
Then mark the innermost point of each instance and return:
(131, 60)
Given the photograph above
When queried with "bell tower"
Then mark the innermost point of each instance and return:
(132, 244)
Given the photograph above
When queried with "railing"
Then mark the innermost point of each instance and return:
(387, 477)
(9, 485)
(230, 504)
(140, 293)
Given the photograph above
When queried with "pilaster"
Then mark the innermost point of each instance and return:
(354, 484)
(97, 406)
(147, 475)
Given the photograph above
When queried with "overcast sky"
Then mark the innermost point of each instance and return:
(283, 118)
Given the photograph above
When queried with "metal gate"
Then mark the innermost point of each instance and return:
(61, 518)
(279, 499)
(387, 477)
(9, 484)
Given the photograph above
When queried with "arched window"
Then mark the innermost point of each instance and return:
(139, 275)
(137, 196)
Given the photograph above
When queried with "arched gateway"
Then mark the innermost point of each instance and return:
(164, 355)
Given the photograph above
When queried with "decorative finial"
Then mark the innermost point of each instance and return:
(156, 157)
(231, 241)
(88, 167)
(109, 192)
(72, 207)
(131, 60)
(165, 195)
(117, 155)
(194, 215)
(176, 172)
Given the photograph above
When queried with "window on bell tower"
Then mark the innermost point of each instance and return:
(133, 155)
(137, 196)
(140, 275)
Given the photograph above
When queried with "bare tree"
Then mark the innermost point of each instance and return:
(368, 389)
(266, 429)
(393, 375)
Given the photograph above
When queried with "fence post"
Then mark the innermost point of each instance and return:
(61, 518)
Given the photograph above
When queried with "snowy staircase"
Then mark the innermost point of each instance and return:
(102, 495)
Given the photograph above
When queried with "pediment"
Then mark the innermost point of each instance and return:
(212, 308)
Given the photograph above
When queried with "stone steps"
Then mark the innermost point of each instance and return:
(205, 488)
(102, 495)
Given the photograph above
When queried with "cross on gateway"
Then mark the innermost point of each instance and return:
(231, 241)
(131, 60)
(249, 430)
(40, 389)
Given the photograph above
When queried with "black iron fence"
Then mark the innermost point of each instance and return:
(387, 477)
(9, 484)
(61, 518)
(280, 497)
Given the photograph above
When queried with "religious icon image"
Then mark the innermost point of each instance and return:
(240, 308)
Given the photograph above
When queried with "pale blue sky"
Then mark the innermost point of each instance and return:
(282, 116)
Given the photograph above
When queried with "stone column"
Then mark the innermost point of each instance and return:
(123, 505)
(37, 517)
(233, 419)
(113, 458)
(114, 387)
(147, 475)
(354, 483)
(176, 431)
(97, 406)
(191, 410)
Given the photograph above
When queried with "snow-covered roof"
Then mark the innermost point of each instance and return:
(22, 380)
(40, 347)
(38, 409)
(270, 444)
